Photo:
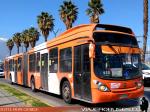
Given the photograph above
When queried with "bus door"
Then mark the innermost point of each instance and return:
(15, 70)
(25, 69)
(82, 75)
(44, 71)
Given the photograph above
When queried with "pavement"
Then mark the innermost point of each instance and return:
(8, 100)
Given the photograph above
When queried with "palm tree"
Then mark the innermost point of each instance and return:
(68, 13)
(95, 9)
(25, 39)
(17, 40)
(10, 45)
(33, 36)
(45, 23)
(145, 28)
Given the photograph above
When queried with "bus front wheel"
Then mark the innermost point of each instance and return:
(66, 92)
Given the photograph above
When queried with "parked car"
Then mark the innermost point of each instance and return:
(1, 73)
(146, 73)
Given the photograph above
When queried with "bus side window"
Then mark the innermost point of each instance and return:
(19, 64)
(53, 60)
(32, 58)
(11, 65)
(66, 60)
(38, 62)
(77, 59)
(86, 59)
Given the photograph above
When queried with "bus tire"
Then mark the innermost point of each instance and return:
(66, 92)
(32, 82)
(11, 82)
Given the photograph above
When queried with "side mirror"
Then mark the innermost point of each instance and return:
(92, 50)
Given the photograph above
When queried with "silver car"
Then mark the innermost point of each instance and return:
(146, 73)
(1, 73)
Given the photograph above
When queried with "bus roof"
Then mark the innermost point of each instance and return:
(65, 36)
(88, 28)
(81, 31)
(15, 55)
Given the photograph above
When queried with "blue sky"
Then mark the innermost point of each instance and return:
(17, 15)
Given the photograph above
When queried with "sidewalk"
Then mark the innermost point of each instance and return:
(7, 99)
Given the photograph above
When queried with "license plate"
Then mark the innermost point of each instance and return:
(123, 96)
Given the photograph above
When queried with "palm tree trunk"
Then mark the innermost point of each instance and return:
(145, 29)
(26, 45)
(45, 33)
(67, 23)
(18, 49)
(33, 43)
(45, 39)
(26, 49)
(10, 52)
(92, 19)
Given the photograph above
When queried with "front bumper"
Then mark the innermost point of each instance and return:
(100, 97)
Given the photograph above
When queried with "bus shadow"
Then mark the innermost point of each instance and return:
(117, 104)
(50, 94)
(146, 84)
(114, 105)
(147, 95)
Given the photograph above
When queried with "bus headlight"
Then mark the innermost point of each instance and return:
(139, 84)
(101, 86)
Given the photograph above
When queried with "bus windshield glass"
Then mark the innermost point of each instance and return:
(113, 38)
(116, 66)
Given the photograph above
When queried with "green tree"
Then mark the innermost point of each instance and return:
(17, 40)
(45, 23)
(33, 36)
(10, 45)
(95, 10)
(25, 39)
(68, 13)
(145, 22)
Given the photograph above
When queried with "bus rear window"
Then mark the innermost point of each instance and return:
(114, 38)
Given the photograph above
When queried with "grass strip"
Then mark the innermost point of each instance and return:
(28, 100)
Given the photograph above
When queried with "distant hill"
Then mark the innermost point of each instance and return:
(3, 49)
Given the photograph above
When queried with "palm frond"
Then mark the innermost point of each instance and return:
(45, 23)
(95, 9)
(68, 13)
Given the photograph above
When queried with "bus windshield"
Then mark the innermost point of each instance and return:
(116, 66)
(113, 38)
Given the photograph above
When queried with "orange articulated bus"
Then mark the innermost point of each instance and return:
(93, 62)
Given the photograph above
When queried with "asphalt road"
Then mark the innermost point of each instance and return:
(57, 101)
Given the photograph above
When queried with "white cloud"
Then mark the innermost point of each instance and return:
(3, 39)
